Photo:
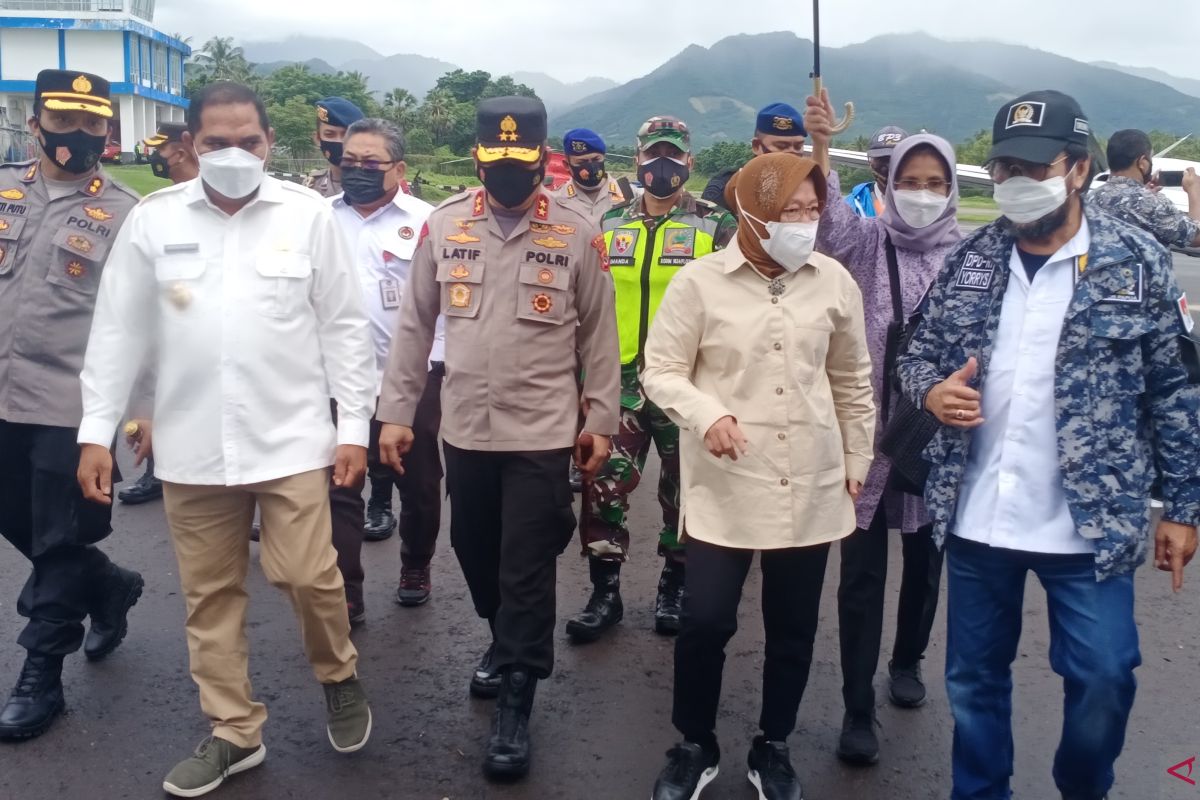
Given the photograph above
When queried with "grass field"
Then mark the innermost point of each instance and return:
(139, 177)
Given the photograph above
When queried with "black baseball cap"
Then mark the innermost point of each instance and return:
(510, 128)
(885, 140)
(1037, 126)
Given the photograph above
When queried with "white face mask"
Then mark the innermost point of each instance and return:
(919, 208)
(1026, 200)
(791, 243)
(232, 172)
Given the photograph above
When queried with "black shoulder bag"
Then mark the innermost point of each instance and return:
(909, 429)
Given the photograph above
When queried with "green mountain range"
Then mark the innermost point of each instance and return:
(912, 80)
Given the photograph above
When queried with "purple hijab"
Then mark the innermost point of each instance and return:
(943, 230)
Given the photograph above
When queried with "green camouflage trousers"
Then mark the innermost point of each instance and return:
(602, 528)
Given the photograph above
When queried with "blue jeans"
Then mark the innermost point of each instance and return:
(1093, 646)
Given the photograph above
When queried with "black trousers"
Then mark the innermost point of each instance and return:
(791, 600)
(860, 605)
(43, 515)
(510, 518)
(420, 486)
(420, 494)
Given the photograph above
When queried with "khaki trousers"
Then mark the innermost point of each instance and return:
(210, 526)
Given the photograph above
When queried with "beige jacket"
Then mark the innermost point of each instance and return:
(793, 370)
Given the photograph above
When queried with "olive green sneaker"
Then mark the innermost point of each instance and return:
(214, 760)
(349, 724)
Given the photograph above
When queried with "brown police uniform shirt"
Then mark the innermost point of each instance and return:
(593, 205)
(51, 255)
(517, 308)
(322, 183)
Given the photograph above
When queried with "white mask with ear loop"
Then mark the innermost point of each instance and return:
(232, 172)
(790, 244)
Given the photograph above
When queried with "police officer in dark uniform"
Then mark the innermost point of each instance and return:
(59, 214)
(779, 128)
(334, 116)
(523, 284)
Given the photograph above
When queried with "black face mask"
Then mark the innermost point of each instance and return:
(83, 149)
(160, 166)
(332, 152)
(362, 187)
(589, 175)
(510, 184)
(663, 176)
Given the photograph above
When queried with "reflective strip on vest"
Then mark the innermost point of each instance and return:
(641, 282)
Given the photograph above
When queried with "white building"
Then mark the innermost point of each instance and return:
(114, 39)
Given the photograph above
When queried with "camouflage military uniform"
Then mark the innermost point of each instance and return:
(1131, 202)
(603, 529)
(1125, 409)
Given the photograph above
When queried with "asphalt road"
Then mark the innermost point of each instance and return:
(601, 723)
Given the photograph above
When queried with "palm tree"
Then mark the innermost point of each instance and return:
(439, 110)
(220, 60)
(398, 105)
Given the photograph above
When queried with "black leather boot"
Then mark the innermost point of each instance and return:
(110, 616)
(36, 700)
(381, 522)
(508, 748)
(604, 608)
(668, 604)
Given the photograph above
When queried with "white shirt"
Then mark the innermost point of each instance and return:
(383, 245)
(1012, 495)
(257, 320)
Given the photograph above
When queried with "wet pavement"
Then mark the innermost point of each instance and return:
(601, 723)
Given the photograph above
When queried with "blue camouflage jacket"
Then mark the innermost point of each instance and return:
(1125, 409)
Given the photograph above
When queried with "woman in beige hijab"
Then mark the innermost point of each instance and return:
(759, 353)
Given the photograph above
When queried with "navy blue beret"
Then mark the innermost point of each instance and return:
(338, 112)
(780, 119)
(581, 141)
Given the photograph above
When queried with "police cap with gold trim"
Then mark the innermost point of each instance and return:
(510, 128)
(1037, 126)
(71, 90)
(780, 119)
(338, 112)
(167, 132)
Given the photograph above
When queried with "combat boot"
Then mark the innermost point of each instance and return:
(36, 699)
(381, 522)
(110, 616)
(669, 603)
(508, 748)
(604, 608)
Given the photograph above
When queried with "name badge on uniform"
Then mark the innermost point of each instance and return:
(389, 292)
(975, 272)
(1131, 289)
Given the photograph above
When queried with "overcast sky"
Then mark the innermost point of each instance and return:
(624, 39)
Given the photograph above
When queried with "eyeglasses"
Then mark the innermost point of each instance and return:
(811, 214)
(937, 185)
(1003, 169)
(369, 164)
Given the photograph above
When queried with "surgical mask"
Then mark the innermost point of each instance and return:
(589, 175)
(332, 152)
(77, 151)
(663, 176)
(160, 166)
(510, 184)
(1025, 200)
(791, 243)
(362, 187)
(919, 208)
(232, 172)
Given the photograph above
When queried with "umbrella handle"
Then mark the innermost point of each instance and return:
(839, 126)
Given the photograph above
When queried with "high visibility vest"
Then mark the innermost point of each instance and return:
(643, 255)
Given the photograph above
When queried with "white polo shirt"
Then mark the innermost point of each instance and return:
(1012, 494)
(383, 244)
